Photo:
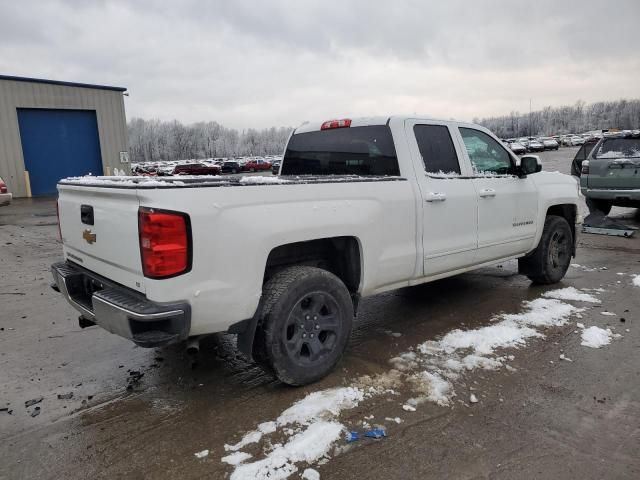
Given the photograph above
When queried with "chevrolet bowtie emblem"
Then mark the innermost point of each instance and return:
(88, 236)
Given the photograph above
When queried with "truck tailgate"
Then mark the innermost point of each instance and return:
(621, 174)
(99, 229)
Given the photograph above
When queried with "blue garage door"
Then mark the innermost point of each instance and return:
(58, 144)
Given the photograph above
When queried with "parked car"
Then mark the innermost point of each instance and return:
(144, 170)
(5, 195)
(576, 140)
(196, 169)
(518, 148)
(231, 167)
(278, 261)
(256, 165)
(550, 144)
(609, 174)
(535, 146)
(523, 141)
(275, 167)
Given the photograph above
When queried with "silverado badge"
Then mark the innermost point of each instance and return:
(88, 236)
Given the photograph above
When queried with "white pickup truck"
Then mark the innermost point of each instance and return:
(361, 206)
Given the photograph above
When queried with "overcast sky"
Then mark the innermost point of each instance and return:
(271, 63)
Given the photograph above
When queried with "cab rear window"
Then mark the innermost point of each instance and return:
(364, 151)
(619, 148)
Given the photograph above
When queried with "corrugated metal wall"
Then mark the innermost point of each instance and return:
(108, 105)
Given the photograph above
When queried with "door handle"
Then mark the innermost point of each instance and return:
(487, 193)
(435, 197)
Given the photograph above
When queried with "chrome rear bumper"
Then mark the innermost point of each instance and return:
(120, 310)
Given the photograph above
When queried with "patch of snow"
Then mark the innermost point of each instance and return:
(249, 438)
(587, 269)
(571, 293)
(236, 458)
(307, 446)
(565, 358)
(398, 420)
(636, 280)
(596, 337)
(310, 474)
(202, 454)
(408, 408)
(608, 314)
(580, 325)
(473, 398)
(267, 427)
(120, 181)
(441, 174)
(259, 180)
(322, 404)
(436, 389)
(316, 413)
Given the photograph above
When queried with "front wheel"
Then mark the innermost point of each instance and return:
(549, 262)
(305, 324)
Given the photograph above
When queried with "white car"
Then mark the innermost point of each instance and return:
(550, 143)
(576, 140)
(361, 206)
(517, 148)
(5, 195)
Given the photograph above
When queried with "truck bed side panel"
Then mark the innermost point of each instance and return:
(235, 229)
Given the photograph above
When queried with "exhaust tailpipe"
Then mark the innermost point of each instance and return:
(193, 345)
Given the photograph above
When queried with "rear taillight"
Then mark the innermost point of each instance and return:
(3, 187)
(584, 169)
(343, 123)
(165, 242)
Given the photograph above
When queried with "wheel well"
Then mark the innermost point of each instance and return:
(338, 255)
(569, 212)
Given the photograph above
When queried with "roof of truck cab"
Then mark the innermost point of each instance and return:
(314, 126)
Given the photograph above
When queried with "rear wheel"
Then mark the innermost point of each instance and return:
(305, 324)
(549, 262)
(603, 205)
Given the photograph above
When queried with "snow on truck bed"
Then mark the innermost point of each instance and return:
(192, 181)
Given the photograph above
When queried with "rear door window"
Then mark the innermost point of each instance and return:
(437, 150)
(619, 148)
(365, 151)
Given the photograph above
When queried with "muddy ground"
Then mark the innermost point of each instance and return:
(143, 413)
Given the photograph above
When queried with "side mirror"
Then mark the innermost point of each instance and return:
(528, 164)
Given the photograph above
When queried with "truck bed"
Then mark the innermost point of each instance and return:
(216, 181)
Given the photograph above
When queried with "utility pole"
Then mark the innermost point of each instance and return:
(529, 117)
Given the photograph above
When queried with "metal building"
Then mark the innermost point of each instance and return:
(51, 129)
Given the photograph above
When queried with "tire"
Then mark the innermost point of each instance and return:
(603, 205)
(549, 262)
(304, 325)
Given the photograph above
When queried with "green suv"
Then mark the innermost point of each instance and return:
(610, 173)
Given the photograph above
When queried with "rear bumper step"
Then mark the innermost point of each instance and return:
(120, 310)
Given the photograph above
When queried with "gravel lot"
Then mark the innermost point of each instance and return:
(144, 413)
